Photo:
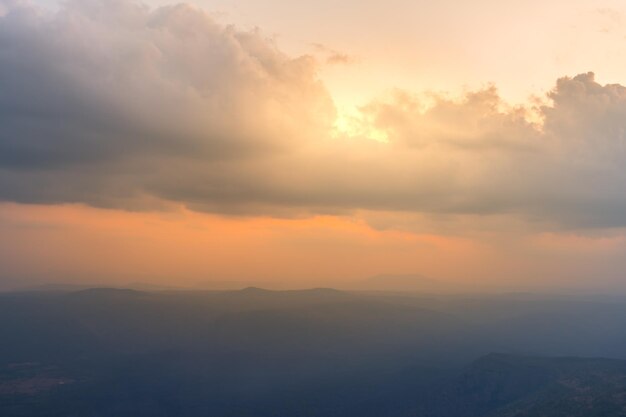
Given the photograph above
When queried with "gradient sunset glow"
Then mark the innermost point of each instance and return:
(220, 144)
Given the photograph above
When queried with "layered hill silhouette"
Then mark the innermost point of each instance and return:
(319, 352)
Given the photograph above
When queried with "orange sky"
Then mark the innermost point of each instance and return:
(82, 245)
(313, 144)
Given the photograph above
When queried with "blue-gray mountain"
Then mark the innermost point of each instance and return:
(111, 352)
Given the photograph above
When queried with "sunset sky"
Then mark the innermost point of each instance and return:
(299, 144)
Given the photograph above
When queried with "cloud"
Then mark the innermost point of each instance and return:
(99, 96)
(334, 57)
(113, 104)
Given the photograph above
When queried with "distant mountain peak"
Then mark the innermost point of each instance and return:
(104, 291)
(255, 290)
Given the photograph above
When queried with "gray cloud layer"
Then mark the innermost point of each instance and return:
(111, 104)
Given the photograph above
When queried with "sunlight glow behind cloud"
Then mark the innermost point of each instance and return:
(121, 106)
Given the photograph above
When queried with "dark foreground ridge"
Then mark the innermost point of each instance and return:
(321, 352)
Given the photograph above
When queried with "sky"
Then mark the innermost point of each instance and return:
(480, 144)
